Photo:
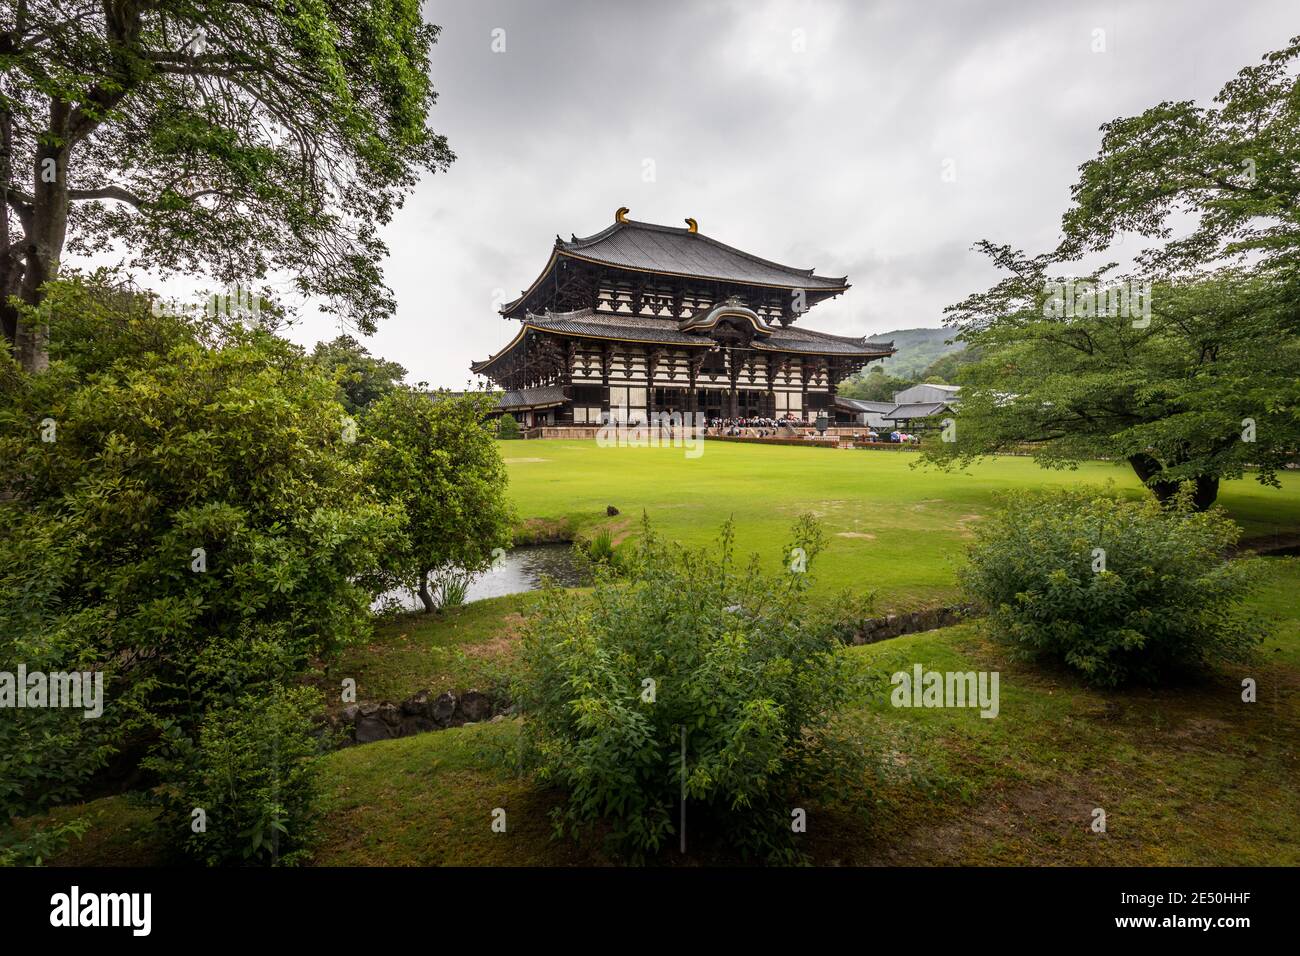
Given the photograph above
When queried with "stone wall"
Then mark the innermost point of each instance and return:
(895, 625)
(370, 721)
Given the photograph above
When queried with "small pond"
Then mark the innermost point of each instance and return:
(522, 569)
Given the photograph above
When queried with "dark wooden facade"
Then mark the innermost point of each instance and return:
(641, 319)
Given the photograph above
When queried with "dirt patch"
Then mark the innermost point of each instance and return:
(620, 530)
(523, 461)
(1011, 820)
(921, 505)
(856, 534)
(500, 645)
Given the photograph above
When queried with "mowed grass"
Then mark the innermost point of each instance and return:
(1186, 775)
(893, 528)
(458, 649)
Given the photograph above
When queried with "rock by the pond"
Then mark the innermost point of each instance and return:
(390, 714)
(370, 729)
(416, 724)
(350, 714)
(417, 705)
(474, 706)
(443, 708)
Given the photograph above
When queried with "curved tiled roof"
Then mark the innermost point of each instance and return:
(639, 328)
(917, 410)
(650, 247)
(671, 251)
(538, 397)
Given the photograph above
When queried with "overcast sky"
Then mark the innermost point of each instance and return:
(813, 133)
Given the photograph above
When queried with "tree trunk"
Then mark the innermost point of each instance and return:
(49, 228)
(1146, 467)
(425, 597)
(1207, 490)
(11, 272)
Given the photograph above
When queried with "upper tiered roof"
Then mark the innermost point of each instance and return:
(628, 246)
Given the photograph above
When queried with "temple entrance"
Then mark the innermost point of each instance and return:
(751, 403)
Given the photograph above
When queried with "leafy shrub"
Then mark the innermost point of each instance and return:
(252, 770)
(1158, 597)
(740, 663)
(507, 427)
(151, 436)
(47, 753)
(432, 457)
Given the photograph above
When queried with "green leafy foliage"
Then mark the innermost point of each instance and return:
(236, 137)
(599, 547)
(507, 427)
(179, 513)
(743, 671)
(1230, 168)
(1118, 590)
(432, 457)
(1175, 393)
(362, 378)
(47, 753)
(251, 768)
(451, 590)
(1205, 390)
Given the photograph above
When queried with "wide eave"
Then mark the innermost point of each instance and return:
(651, 249)
(586, 324)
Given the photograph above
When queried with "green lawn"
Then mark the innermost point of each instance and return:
(894, 528)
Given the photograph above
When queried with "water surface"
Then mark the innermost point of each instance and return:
(520, 570)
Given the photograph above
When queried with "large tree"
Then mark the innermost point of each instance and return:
(1203, 388)
(362, 378)
(1231, 168)
(235, 137)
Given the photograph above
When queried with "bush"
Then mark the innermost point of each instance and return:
(46, 753)
(738, 661)
(252, 771)
(1158, 597)
(433, 458)
(179, 512)
(507, 427)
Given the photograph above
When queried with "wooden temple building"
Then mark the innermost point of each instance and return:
(641, 318)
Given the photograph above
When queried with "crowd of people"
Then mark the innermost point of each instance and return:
(894, 437)
(751, 427)
(758, 427)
